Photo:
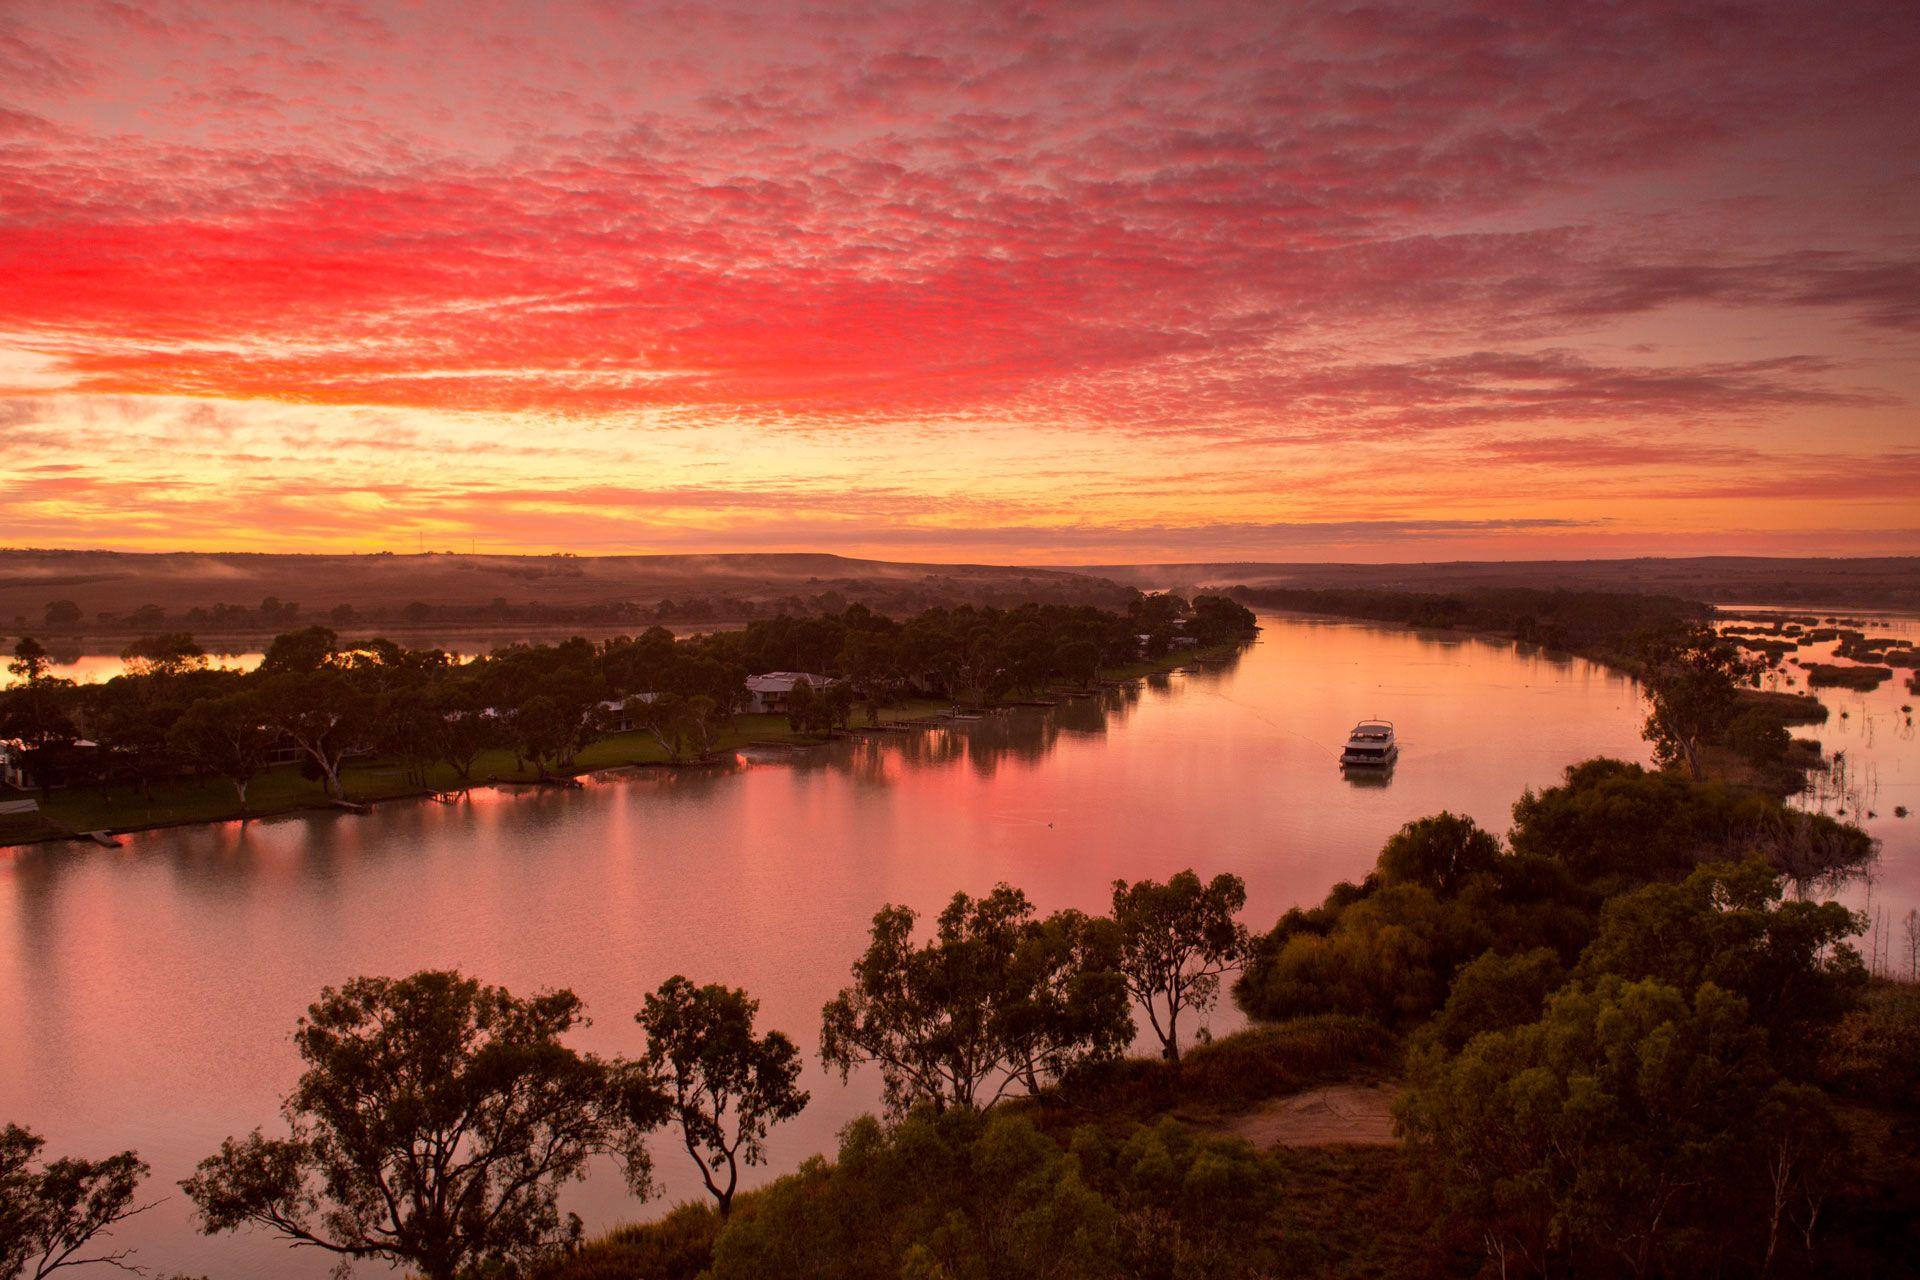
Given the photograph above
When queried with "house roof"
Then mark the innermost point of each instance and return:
(783, 681)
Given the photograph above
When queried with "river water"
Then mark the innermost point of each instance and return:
(147, 994)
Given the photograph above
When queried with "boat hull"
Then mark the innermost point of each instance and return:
(1383, 761)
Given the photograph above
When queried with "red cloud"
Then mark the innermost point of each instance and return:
(1220, 222)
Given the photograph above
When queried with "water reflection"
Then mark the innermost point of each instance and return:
(147, 993)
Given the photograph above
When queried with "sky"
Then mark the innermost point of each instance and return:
(1051, 283)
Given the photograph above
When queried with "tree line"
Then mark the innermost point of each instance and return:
(326, 701)
(828, 596)
(437, 1119)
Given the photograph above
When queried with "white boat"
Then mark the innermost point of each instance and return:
(1371, 745)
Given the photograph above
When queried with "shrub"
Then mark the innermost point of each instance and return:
(1494, 993)
(678, 1247)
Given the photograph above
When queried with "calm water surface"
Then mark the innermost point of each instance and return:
(147, 993)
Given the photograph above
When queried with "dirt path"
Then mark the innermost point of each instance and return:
(1350, 1114)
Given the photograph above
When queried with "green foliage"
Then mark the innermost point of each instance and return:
(1727, 924)
(1631, 1123)
(168, 654)
(473, 1077)
(1611, 625)
(1873, 1052)
(1759, 735)
(225, 737)
(1251, 1065)
(1615, 826)
(1439, 853)
(727, 1085)
(997, 1002)
(57, 1214)
(1692, 685)
(963, 1196)
(1494, 993)
(1176, 940)
(677, 1247)
(1388, 948)
(1218, 620)
(1389, 956)
(30, 661)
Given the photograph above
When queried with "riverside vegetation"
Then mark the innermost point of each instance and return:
(1632, 1038)
(1634, 1042)
(173, 740)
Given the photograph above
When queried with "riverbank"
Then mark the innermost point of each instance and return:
(1779, 778)
(78, 813)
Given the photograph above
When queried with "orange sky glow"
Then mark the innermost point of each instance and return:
(1053, 283)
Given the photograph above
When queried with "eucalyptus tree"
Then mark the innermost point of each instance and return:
(1177, 940)
(727, 1085)
(996, 1003)
(226, 737)
(56, 1214)
(327, 713)
(433, 1127)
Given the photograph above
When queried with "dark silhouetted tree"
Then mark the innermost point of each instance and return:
(433, 1128)
(1176, 942)
(727, 1085)
(56, 1214)
(996, 1002)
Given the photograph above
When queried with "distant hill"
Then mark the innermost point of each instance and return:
(385, 585)
(1882, 582)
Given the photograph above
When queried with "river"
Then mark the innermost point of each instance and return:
(147, 993)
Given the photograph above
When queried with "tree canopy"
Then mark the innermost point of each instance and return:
(727, 1085)
(996, 1002)
(433, 1127)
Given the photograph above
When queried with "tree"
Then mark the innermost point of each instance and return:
(170, 653)
(64, 613)
(1493, 993)
(1218, 620)
(1630, 1120)
(297, 652)
(30, 661)
(466, 730)
(1439, 852)
(225, 737)
(1079, 661)
(932, 1195)
(51, 1215)
(1692, 687)
(433, 1128)
(800, 710)
(728, 1086)
(1727, 924)
(37, 715)
(1176, 941)
(324, 712)
(835, 706)
(994, 1003)
(1759, 736)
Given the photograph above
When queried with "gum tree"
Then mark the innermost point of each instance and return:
(727, 1085)
(1177, 940)
(996, 1002)
(433, 1128)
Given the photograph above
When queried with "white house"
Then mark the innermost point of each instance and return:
(768, 694)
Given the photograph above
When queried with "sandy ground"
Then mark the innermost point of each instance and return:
(1349, 1114)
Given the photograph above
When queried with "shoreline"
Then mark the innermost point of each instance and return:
(1782, 780)
(616, 754)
